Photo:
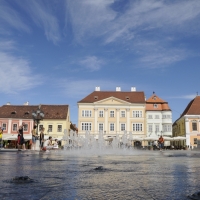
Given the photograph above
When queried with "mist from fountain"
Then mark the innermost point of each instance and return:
(99, 144)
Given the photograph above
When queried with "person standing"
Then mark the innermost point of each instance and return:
(42, 138)
(34, 135)
(161, 142)
(1, 137)
(21, 140)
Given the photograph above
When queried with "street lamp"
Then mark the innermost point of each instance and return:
(38, 115)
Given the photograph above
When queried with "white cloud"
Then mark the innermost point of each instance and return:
(92, 63)
(9, 18)
(16, 74)
(43, 16)
(95, 18)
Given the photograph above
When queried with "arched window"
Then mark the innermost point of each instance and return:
(194, 125)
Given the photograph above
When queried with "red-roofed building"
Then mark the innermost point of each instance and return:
(158, 117)
(188, 124)
(56, 120)
(112, 112)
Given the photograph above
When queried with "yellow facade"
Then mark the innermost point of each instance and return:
(56, 127)
(108, 112)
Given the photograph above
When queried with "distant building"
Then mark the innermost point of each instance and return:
(112, 112)
(56, 120)
(158, 117)
(188, 124)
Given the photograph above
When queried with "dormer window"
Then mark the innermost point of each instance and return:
(14, 112)
(155, 106)
(96, 97)
(26, 113)
(127, 98)
(154, 97)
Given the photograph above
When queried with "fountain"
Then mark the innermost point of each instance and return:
(97, 144)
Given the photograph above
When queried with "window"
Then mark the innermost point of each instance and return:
(101, 113)
(137, 127)
(166, 116)
(86, 126)
(150, 128)
(101, 127)
(59, 128)
(50, 128)
(40, 127)
(123, 127)
(26, 127)
(150, 116)
(86, 113)
(4, 126)
(167, 128)
(123, 114)
(112, 113)
(156, 116)
(14, 127)
(195, 140)
(112, 127)
(155, 106)
(194, 125)
(137, 113)
(157, 128)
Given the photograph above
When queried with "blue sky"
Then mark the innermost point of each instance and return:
(57, 51)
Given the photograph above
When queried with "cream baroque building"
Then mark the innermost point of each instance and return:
(112, 112)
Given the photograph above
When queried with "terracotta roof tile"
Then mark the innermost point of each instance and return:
(161, 104)
(193, 108)
(131, 97)
(25, 111)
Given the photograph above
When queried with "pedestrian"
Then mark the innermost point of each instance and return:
(21, 136)
(161, 142)
(55, 145)
(42, 138)
(48, 144)
(155, 143)
(34, 136)
(1, 137)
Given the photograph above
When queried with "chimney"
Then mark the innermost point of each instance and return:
(26, 103)
(133, 89)
(97, 88)
(118, 89)
(8, 103)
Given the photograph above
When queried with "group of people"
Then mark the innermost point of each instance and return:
(159, 143)
(44, 144)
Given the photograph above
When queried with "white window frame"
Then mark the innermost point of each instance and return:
(137, 113)
(112, 127)
(123, 113)
(101, 113)
(137, 127)
(112, 113)
(101, 127)
(15, 127)
(40, 127)
(86, 126)
(86, 113)
(59, 128)
(150, 116)
(4, 126)
(50, 129)
(123, 127)
(150, 128)
(157, 117)
(25, 128)
(157, 128)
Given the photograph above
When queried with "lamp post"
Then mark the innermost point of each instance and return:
(38, 115)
